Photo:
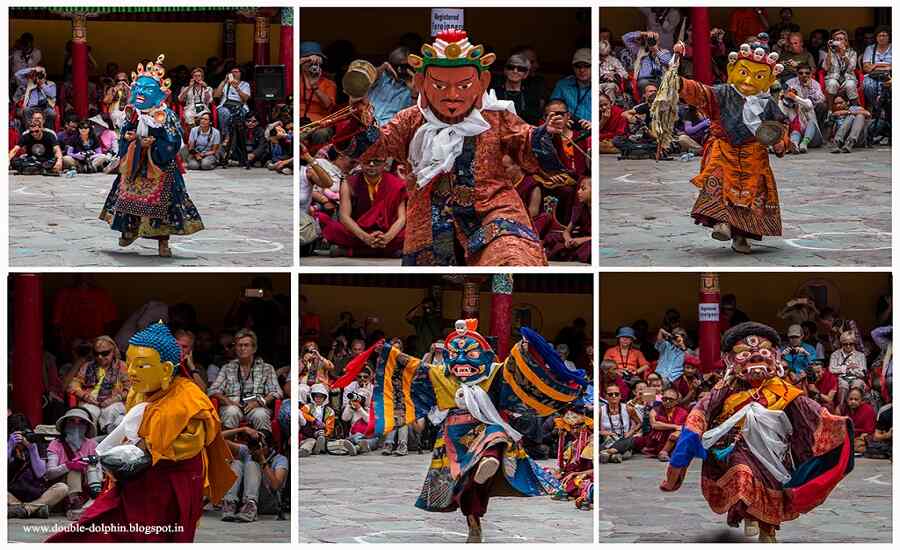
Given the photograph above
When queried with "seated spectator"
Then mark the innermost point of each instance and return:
(233, 95)
(531, 193)
(863, 416)
(691, 129)
(66, 464)
(823, 386)
(847, 363)
(392, 90)
(850, 123)
(880, 445)
(28, 493)
(575, 89)
(356, 415)
(574, 243)
(876, 66)
(630, 362)
(314, 369)
(612, 125)
(101, 126)
(574, 145)
(797, 355)
(256, 143)
(691, 384)
(246, 387)
(203, 145)
(115, 98)
(513, 86)
(281, 156)
(651, 61)
(37, 151)
(372, 214)
(619, 424)
(804, 129)
(317, 420)
(612, 73)
(610, 375)
(196, 97)
(85, 154)
(795, 56)
(838, 61)
(37, 94)
(807, 87)
(262, 472)
(317, 93)
(69, 133)
(101, 385)
(666, 421)
(638, 141)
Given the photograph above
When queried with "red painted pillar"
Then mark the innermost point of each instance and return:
(710, 337)
(702, 55)
(80, 65)
(261, 30)
(501, 312)
(28, 338)
(286, 51)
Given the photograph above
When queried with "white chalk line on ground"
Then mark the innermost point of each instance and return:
(813, 236)
(267, 246)
(363, 539)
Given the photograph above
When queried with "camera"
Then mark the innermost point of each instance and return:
(31, 437)
(314, 69)
(647, 40)
(833, 44)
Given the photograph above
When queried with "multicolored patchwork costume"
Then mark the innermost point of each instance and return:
(148, 198)
(454, 140)
(769, 452)
(472, 399)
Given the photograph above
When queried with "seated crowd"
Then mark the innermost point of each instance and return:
(334, 421)
(648, 385)
(836, 86)
(53, 467)
(222, 124)
(348, 209)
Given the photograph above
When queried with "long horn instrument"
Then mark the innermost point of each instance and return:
(341, 114)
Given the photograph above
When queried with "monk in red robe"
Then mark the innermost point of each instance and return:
(666, 420)
(863, 416)
(372, 214)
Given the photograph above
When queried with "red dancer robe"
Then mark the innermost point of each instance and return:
(164, 502)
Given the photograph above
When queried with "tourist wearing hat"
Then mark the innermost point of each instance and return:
(797, 354)
(64, 459)
(317, 92)
(101, 385)
(630, 362)
(575, 89)
(514, 86)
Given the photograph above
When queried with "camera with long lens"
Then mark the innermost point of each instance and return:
(647, 40)
(314, 69)
(94, 475)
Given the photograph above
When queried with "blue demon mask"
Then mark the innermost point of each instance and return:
(146, 93)
(467, 355)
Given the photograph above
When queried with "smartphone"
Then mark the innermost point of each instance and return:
(253, 293)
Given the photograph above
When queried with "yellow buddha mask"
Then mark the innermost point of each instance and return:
(151, 359)
(753, 71)
(146, 371)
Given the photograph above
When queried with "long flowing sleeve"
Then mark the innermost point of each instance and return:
(403, 391)
(534, 376)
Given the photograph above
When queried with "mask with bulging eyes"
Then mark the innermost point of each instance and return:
(146, 93)
(466, 359)
(754, 359)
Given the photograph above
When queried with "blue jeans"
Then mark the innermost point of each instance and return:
(225, 120)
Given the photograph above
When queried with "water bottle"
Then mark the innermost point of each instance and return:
(686, 157)
(70, 173)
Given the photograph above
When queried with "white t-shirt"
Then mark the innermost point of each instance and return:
(230, 93)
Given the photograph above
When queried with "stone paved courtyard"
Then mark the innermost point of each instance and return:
(633, 509)
(836, 211)
(370, 498)
(248, 217)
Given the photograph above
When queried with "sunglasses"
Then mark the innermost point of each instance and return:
(804, 73)
(375, 162)
(611, 394)
(102, 353)
(517, 68)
